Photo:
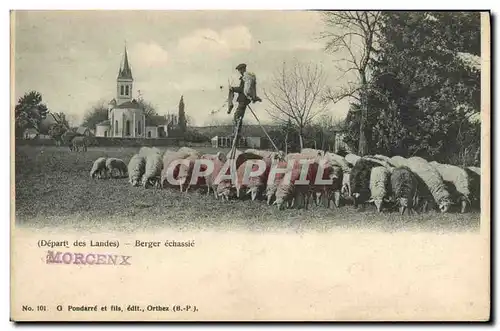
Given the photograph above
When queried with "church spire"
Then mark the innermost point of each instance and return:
(125, 71)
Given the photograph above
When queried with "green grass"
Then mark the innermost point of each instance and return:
(54, 189)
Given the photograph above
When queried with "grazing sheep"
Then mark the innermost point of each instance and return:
(98, 168)
(359, 180)
(433, 180)
(475, 188)
(379, 186)
(382, 157)
(312, 152)
(404, 185)
(459, 178)
(335, 158)
(153, 169)
(477, 170)
(273, 183)
(78, 143)
(168, 158)
(144, 151)
(117, 165)
(189, 151)
(288, 190)
(218, 161)
(136, 168)
(346, 190)
(186, 172)
(398, 161)
(256, 184)
(352, 159)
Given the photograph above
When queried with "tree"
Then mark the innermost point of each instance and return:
(98, 113)
(147, 107)
(182, 116)
(29, 112)
(422, 93)
(295, 95)
(59, 128)
(353, 34)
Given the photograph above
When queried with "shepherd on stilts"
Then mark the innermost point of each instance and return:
(247, 93)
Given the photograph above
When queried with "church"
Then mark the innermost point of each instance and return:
(126, 118)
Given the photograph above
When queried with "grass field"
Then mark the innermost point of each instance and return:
(53, 189)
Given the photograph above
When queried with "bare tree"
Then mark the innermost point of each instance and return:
(353, 34)
(295, 95)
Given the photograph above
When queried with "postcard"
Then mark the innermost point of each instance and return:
(293, 165)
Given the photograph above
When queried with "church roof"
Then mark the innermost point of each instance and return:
(125, 72)
(155, 120)
(104, 123)
(129, 105)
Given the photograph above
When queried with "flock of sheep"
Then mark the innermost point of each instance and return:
(410, 184)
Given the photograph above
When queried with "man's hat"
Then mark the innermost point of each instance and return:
(241, 66)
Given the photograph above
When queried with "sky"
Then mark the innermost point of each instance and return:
(72, 57)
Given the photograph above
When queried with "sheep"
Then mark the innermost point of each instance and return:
(79, 142)
(477, 170)
(114, 164)
(98, 168)
(459, 178)
(153, 169)
(382, 157)
(404, 185)
(311, 151)
(379, 186)
(433, 180)
(280, 155)
(288, 190)
(218, 161)
(398, 161)
(359, 180)
(168, 158)
(331, 170)
(475, 188)
(189, 151)
(255, 184)
(273, 183)
(186, 172)
(136, 168)
(335, 158)
(144, 151)
(352, 159)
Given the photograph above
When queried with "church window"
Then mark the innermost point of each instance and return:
(139, 127)
(116, 127)
(127, 128)
(149, 134)
(121, 90)
(126, 90)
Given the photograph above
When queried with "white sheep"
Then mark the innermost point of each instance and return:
(404, 186)
(352, 158)
(335, 158)
(312, 151)
(433, 180)
(398, 161)
(477, 170)
(136, 169)
(379, 186)
(460, 180)
(168, 158)
(189, 151)
(153, 168)
(117, 165)
(98, 168)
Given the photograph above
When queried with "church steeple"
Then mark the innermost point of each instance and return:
(125, 71)
(124, 81)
